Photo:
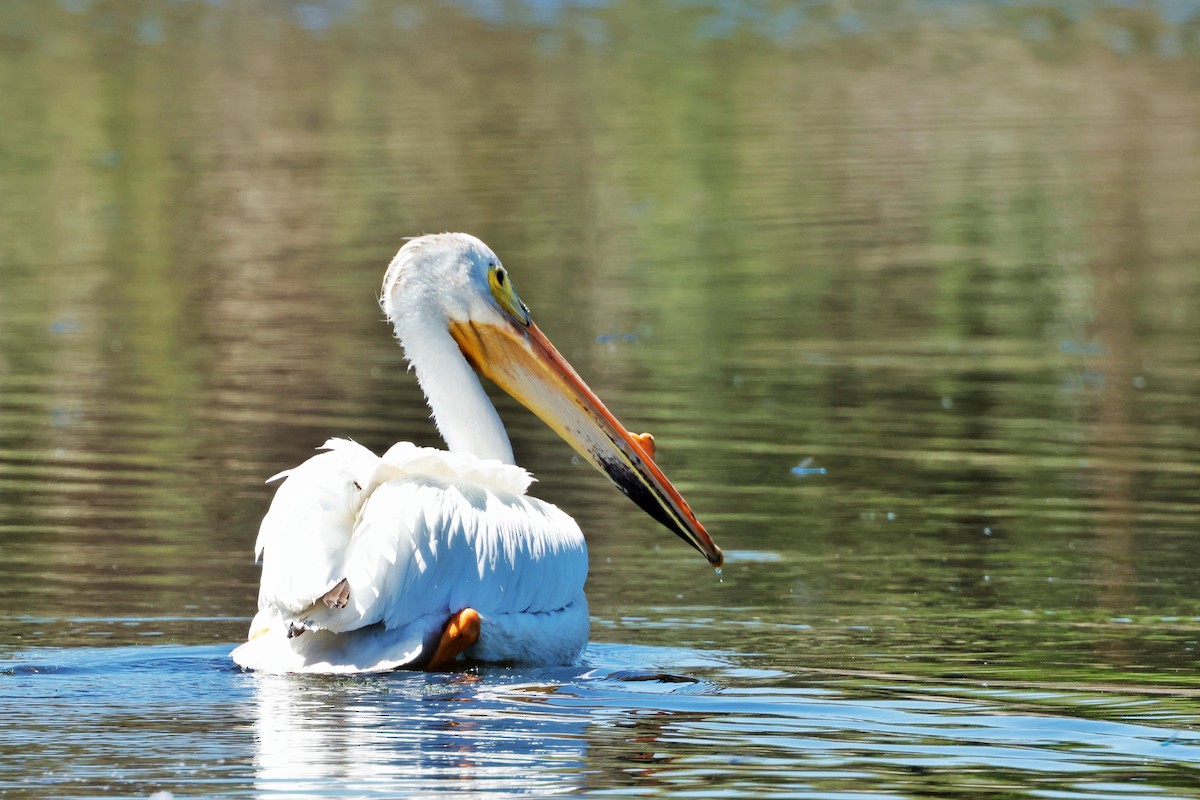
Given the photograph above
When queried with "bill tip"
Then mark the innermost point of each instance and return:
(717, 559)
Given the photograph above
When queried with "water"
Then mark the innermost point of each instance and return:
(907, 294)
(632, 720)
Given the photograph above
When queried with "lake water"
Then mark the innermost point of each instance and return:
(908, 293)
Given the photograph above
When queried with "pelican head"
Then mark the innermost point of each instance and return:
(452, 303)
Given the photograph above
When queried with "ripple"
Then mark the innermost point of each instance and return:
(184, 719)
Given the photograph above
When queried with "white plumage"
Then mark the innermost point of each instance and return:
(424, 533)
(366, 558)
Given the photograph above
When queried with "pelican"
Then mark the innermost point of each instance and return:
(423, 558)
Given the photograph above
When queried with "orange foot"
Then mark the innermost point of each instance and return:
(461, 632)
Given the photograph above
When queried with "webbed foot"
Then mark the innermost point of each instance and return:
(461, 632)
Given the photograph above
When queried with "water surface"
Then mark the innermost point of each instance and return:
(630, 720)
(945, 253)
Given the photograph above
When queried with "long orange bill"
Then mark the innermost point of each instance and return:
(521, 360)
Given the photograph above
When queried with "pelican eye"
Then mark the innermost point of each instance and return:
(506, 295)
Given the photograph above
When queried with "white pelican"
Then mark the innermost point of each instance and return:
(423, 556)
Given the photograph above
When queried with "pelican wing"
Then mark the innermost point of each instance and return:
(427, 545)
(303, 537)
(417, 535)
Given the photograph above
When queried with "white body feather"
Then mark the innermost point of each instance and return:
(418, 534)
(421, 534)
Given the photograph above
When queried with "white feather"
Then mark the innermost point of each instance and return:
(419, 534)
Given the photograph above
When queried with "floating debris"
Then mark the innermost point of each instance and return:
(617, 338)
(66, 325)
(108, 158)
(805, 468)
(1079, 348)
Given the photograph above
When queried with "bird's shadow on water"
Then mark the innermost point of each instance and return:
(628, 716)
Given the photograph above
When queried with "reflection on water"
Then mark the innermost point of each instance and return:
(630, 720)
(944, 252)
(311, 737)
